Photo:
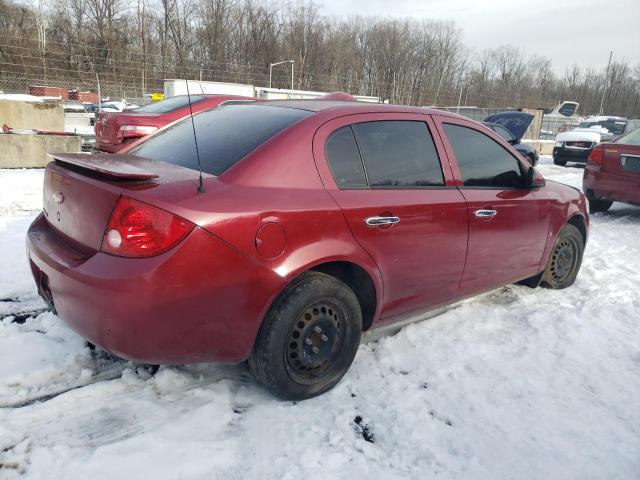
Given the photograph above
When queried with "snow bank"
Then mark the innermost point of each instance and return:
(517, 383)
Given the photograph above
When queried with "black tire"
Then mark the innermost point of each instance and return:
(597, 205)
(560, 163)
(565, 259)
(308, 338)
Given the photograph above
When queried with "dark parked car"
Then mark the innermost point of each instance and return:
(116, 130)
(512, 126)
(576, 145)
(613, 173)
(317, 220)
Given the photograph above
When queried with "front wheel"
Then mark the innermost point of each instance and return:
(560, 163)
(565, 259)
(308, 339)
(596, 205)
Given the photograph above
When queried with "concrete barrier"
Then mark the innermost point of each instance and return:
(43, 115)
(30, 151)
(544, 147)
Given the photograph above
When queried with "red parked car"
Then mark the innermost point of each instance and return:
(318, 220)
(117, 130)
(613, 173)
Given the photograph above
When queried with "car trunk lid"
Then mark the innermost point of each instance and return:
(81, 190)
(621, 159)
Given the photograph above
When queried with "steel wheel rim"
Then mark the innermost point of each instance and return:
(564, 260)
(315, 341)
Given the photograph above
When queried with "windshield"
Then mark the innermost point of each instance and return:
(631, 138)
(169, 105)
(225, 135)
(613, 126)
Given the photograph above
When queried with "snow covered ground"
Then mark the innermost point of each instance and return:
(515, 384)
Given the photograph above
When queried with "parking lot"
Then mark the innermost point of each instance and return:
(516, 383)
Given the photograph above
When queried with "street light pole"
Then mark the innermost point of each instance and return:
(271, 65)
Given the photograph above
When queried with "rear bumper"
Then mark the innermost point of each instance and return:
(611, 186)
(114, 147)
(201, 301)
(570, 155)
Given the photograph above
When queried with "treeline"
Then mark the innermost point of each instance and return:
(133, 46)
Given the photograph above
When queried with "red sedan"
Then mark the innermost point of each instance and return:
(316, 220)
(117, 130)
(613, 173)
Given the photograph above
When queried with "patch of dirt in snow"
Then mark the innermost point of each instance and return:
(517, 383)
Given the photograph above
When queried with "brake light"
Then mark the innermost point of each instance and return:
(131, 131)
(136, 229)
(594, 161)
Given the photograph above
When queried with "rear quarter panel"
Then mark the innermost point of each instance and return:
(279, 184)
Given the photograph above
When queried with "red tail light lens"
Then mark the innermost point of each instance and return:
(136, 229)
(596, 156)
(133, 131)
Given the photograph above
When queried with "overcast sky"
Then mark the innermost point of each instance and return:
(566, 31)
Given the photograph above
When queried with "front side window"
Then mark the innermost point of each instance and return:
(398, 153)
(482, 161)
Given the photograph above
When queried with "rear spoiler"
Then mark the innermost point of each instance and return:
(118, 166)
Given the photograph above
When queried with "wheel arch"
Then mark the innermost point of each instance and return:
(578, 221)
(364, 280)
(359, 280)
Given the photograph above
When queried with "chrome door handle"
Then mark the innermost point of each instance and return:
(375, 221)
(485, 213)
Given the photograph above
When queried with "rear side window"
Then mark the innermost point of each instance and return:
(482, 161)
(169, 105)
(344, 159)
(225, 135)
(398, 153)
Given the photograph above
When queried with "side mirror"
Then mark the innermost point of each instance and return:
(534, 178)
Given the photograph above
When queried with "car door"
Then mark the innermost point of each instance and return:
(384, 172)
(508, 222)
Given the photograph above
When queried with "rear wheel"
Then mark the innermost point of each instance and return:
(565, 259)
(308, 339)
(561, 163)
(596, 205)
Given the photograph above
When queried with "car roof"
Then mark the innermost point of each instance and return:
(602, 118)
(317, 105)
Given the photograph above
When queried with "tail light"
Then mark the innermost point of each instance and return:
(594, 161)
(133, 131)
(136, 229)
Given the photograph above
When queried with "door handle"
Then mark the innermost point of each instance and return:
(375, 221)
(485, 213)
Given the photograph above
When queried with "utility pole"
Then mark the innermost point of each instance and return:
(604, 89)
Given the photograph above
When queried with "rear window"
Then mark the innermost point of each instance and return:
(631, 138)
(169, 105)
(225, 135)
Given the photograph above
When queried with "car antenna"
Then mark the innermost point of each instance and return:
(195, 139)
